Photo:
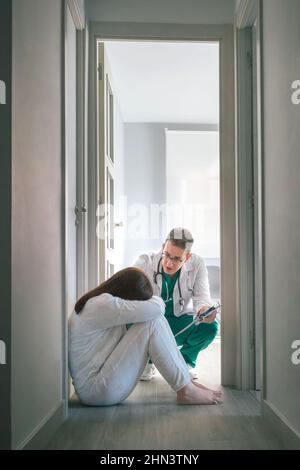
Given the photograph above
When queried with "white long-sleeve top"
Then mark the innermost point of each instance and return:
(97, 329)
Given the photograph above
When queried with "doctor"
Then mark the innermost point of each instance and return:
(180, 278)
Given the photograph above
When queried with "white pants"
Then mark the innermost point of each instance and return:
(125, 365)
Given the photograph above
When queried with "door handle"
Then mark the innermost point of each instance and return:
(83, 209)
(76, 209)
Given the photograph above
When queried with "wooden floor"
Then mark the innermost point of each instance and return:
(150, 419)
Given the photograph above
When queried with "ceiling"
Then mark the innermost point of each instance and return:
(172, 82)
(202, 12)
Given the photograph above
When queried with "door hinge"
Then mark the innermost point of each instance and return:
(251, 200)
(100, 74)
(76, 211)
(252, 339)
(249, 60)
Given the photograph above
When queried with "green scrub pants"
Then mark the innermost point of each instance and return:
(194, 339)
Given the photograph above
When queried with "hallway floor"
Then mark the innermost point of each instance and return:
(150, 419)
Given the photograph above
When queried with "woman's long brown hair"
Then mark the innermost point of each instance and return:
(128, 284)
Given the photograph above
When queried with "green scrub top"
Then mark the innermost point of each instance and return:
(170, 282)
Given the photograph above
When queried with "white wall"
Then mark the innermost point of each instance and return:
(145, 183)
(193, 187)
(281, 33)
(36, 225)
(158, 11)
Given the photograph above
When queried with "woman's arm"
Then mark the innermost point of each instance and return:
(108, 311)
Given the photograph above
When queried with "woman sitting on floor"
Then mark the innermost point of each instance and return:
(107, 358)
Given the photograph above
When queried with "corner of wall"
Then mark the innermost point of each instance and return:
(285, 432)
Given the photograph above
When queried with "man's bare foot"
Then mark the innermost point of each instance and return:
(193, 395)
(199, 385)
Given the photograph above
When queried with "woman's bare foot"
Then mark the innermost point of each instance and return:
(199, 385)
(190, 394)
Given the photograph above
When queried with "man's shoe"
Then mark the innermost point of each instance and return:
(193, 372)
(149, 372)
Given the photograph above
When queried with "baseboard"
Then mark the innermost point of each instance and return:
(42, 433)
(289, 437)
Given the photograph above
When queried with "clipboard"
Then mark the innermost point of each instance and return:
(200, 318)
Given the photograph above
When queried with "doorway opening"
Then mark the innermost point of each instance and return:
(159, 157)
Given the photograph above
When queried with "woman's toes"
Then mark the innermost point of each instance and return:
(217, 398)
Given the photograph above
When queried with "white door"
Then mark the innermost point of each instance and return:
(106, 181)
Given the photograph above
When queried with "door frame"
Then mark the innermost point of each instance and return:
(79, 24)
(183, 32)
(248, 15)
(82, 161)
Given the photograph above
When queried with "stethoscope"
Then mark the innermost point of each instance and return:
(160, 273)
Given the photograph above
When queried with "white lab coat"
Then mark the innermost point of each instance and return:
(193, 280)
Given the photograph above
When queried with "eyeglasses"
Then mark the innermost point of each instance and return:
(174, 259)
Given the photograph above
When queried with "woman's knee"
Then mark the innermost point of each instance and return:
(160, 324)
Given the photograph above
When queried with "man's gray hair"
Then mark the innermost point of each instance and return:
(181, 237)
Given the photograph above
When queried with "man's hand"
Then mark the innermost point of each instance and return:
(211, 318)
